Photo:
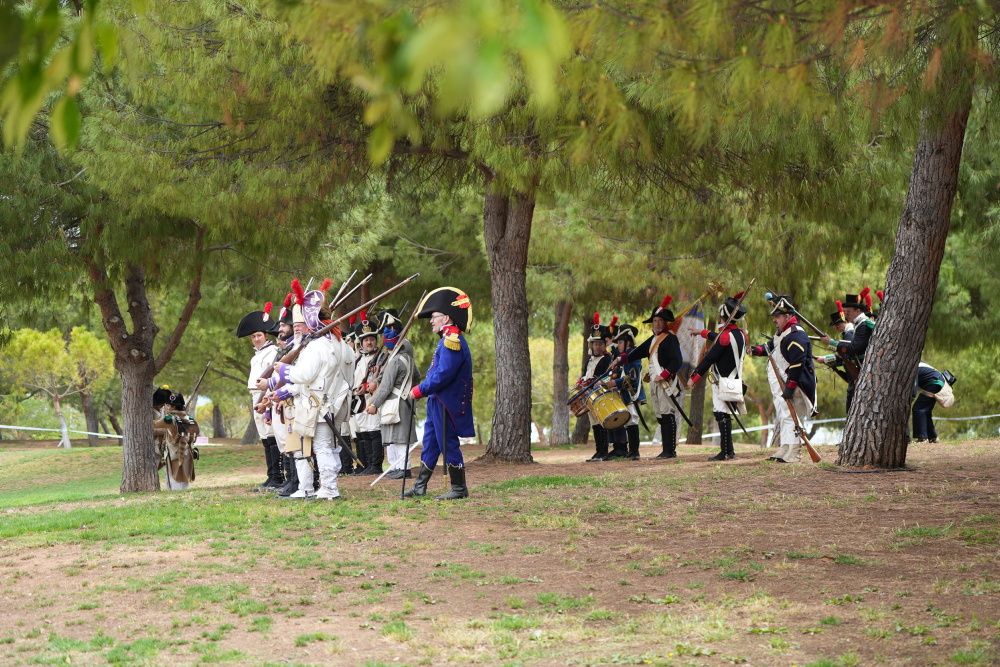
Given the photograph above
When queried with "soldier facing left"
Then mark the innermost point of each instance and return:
(259, 326)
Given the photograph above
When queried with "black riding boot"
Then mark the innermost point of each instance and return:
(668, 434)
(633, 441)
(458, 488)
(725, 436)
(600, 444)
(619, 443)
(347, 464)
(376, 454)
(269, 464)
(292, 477)
(274, 479)
(315, 467)
(420, 486)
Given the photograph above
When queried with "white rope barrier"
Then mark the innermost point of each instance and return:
(58, 430)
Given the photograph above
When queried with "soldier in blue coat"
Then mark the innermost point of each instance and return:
(448, 389)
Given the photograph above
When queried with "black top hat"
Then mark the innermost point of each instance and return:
(662, 311)
(450, 301)
(861, 300)
(257, 321)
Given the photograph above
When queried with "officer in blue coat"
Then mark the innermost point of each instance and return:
(447, 386)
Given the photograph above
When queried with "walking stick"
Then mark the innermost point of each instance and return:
(406, 461)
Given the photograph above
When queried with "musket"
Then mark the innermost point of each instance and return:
(336, 302)
(801, 432)
(347, 282)
(729, 319)
(405, 331)
(291, 356)
(194, 392)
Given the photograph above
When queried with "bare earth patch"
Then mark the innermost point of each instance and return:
(561, 562)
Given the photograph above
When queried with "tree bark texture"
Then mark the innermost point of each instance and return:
(877, 430)
(507, 222)
(250, 435)
(218, 425)
(560, 373)
(90, 414)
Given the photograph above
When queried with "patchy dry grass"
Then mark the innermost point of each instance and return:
(562, 563)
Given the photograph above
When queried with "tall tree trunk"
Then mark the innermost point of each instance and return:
(250, 435)
(63, 428)
(113, 419)
(560, 374)
(218, 425)
(507, 225)
(877, 430)
(581, 430)
(139, 460)
(90, 414)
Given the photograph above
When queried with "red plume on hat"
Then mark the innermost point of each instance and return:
(300, 294)
(840, 308)
(739, 295)
(352, 319)
(363, 316)
(288, 300)
(597, 318)
(880, 294)
(866, 296)
(667, 300)
(325, 285)
(614, 322)
(267, 310)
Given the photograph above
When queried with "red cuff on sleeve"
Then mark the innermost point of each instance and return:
(703, 333)
(791, 384)
(665, 374)
(695, 378)
(415, 392)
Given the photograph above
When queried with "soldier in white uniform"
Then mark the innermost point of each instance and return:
(258, 325)
(307, 385)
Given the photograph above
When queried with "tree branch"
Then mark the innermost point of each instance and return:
(194, 296)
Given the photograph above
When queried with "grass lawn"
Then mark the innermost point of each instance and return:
(557, 563)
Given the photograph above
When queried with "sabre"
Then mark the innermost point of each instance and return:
(343, 441)
(673, 399)
(635, 402)
(732, 411)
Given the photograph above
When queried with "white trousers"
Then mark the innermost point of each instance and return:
(790, 441)
(397, 456)
(659, 393)
(280, 430)
(327, 458)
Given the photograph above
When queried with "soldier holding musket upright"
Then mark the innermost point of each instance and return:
(790, 350)
(725, 359)
(367, 424)
(392, 397)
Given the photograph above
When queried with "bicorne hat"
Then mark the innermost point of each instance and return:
(732, 308)
(450, 301)
(662, 311)
(257, 321)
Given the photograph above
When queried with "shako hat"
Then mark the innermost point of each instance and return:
(862, 300)
(732, 308)
(257, 321)
(365, 327)
(662, 310)
(451, 301)
(597, 330)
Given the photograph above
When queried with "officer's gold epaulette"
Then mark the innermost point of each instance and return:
(453, 342)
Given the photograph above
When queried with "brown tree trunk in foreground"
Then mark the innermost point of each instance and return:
(560, 374)
(507, 222)
(250, 435)
(877, 431)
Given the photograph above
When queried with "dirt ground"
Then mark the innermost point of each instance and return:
(556, 563)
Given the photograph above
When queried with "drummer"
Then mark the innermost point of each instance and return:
(598, 362)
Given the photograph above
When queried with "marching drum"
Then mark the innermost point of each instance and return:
(607, 408)
(578, 403)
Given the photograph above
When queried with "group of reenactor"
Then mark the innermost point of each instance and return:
(331, 400)
(614, 363)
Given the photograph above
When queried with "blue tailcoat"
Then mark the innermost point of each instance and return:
(448, 387)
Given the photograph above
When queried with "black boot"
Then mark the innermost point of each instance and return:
(619, 443)
(668, 434)
(725, 434)
(633, 441)
(315, 467)
(420, 486)
(292, 477)
(458, 488)
(730, 450)
(269, 463)
(600, 445)
(376, 455)
(274, 479)
(348, 466)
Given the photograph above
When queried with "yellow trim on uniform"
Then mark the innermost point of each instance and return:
(453, 342)
(796, 344)
(794, 365)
